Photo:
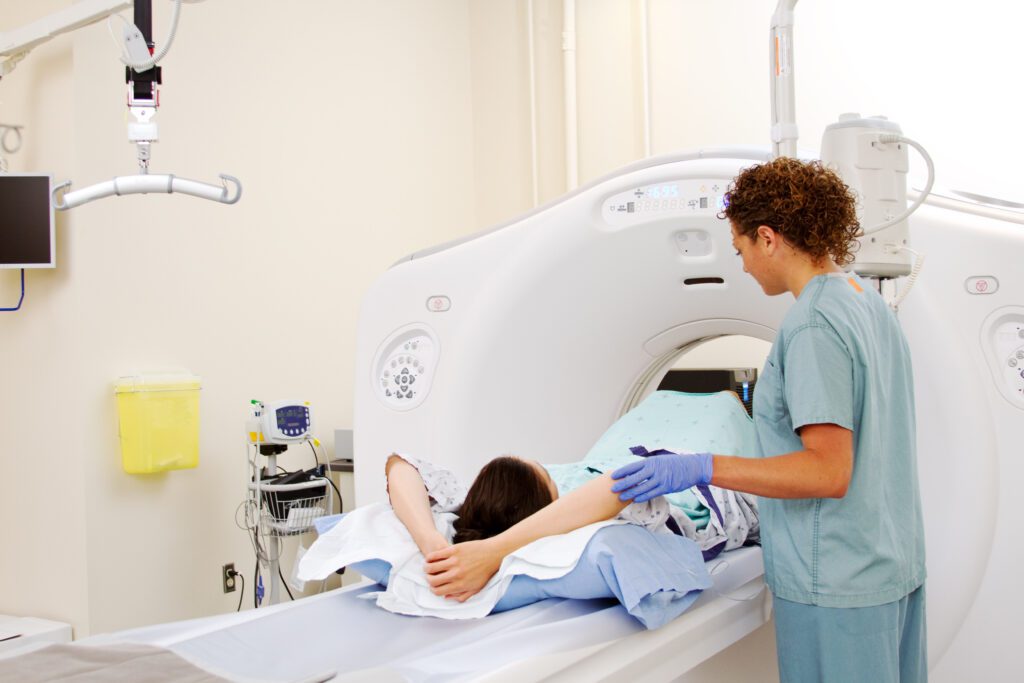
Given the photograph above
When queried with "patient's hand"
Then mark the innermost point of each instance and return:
(461, 570)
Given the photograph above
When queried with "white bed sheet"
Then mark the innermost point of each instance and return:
(339, 633)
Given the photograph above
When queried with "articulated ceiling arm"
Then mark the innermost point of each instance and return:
(14, 45)
(142, 75)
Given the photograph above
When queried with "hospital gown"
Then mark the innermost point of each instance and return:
(737, 526)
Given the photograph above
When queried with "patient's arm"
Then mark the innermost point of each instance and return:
(461, 570)
(411, 504)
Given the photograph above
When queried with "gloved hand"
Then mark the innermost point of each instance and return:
(660, 474)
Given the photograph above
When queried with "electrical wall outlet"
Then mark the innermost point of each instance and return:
(227, 576)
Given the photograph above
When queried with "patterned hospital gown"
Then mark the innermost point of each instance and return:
(739, 512)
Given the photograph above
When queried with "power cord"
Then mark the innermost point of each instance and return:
(284, 583)
(23, 298)
(233, 574)
(316, 458)
(890, 139)
(133, 37)
(912, 278)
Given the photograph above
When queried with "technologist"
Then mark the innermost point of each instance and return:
(834, 415)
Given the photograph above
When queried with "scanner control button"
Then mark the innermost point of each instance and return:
(982, 285)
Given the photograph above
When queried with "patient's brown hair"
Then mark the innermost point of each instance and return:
(507, 491)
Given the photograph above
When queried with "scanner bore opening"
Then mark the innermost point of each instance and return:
(707, 365)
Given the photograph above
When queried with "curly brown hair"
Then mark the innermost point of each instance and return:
(805, 202)
(507, 491)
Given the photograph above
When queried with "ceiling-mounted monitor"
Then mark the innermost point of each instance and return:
(27, 235)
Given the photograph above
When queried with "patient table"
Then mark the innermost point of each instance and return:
(341, 634)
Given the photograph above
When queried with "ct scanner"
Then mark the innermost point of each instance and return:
(533, 337)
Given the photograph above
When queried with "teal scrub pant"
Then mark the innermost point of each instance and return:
(883, 644)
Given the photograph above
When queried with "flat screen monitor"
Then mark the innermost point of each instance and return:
(26, 222)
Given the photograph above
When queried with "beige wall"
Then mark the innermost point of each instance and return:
(361, 131)
(503, 149)
(350, 127)
(44, 541)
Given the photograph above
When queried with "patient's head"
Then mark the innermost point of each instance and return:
(507, 490)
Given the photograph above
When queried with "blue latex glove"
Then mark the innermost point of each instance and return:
(660, 474)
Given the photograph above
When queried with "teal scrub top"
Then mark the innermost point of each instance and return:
(841, 358)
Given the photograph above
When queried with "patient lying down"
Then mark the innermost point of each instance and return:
(510, 504)
(514, 502)
(452, 553)
(653, 573)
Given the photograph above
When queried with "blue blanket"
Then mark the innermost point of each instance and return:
(656, 577)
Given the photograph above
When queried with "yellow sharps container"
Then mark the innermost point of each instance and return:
(159, 422)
